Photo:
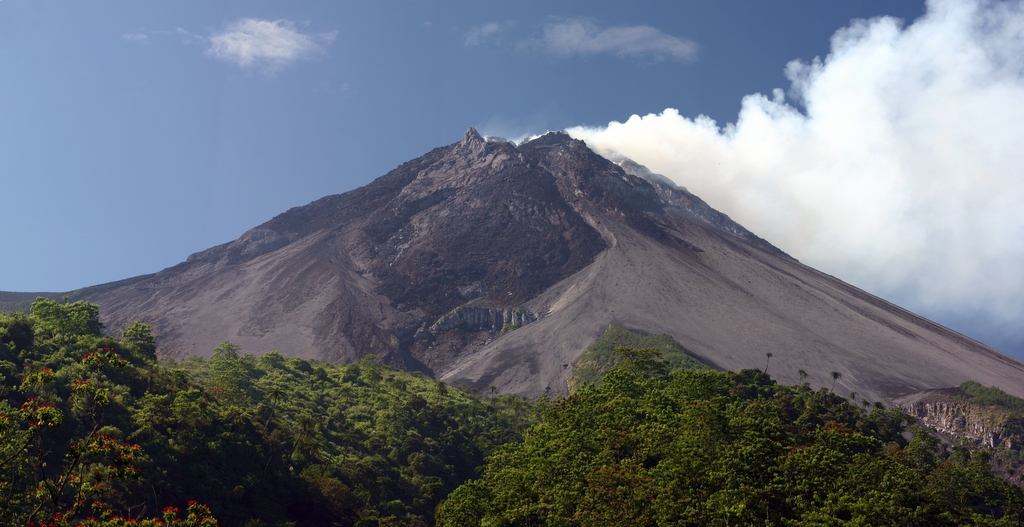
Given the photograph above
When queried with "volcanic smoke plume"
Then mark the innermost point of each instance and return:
(898, 166)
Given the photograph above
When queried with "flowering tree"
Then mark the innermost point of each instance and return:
(56, 473)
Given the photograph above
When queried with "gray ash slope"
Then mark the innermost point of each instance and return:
(426, 264)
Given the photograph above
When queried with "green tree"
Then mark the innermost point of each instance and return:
(835, 377)
(63, 323)
(643, 362)
(16, 334)
(230, 373)
(138, 340)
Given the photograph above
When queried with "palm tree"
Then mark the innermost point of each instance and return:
(853, 396)
(275, 394)
(769, 355)
(802, 374)
(835, 376)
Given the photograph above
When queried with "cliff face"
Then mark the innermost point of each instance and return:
(950, 412)
(473, 318)
(956, 416)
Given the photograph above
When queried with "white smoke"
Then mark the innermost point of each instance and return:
(905, 173)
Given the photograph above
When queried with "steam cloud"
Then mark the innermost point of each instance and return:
(905, 175)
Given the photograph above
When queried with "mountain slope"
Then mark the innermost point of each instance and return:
(729, 300)
(432, 265)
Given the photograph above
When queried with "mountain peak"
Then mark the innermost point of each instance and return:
(432, 266)
(549, 139)
(472, 136)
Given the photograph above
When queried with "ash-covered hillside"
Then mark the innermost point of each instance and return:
(494, 264)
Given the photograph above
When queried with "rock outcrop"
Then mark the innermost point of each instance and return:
(950, 412)
(476, 318)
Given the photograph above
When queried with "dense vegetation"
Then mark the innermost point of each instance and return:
(91, 426)
(712, 448)
(94, 427)
(992, 396)
(601, 355)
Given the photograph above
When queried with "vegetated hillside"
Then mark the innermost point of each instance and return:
(600, 356)
(91, 426)
(431, 265)
(21, 302)
(710, 448)
(85, 418)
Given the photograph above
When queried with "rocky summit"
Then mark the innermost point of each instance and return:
(491, 264)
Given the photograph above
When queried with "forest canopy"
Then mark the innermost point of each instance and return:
(93, 426)
(95, 431)
(708, 448)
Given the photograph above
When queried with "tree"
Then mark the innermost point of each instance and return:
(835, 377)
(643, 362)
(769, 359)
(802, 374)
(66, 322)
(229, 372)
(138, 339)
(16, 334)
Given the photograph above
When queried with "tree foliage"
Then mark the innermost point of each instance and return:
(992, 396)
(94, 427)
(94, 431)
(712, 448)
(604, 354)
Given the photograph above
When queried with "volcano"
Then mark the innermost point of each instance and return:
(491, 264)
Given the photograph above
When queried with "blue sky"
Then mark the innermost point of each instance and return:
(133, 134)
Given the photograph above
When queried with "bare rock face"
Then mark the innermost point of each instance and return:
(950, 412)
(471, 318)
(486, 263)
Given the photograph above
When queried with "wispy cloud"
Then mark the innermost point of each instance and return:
(140, 38)
(904, 174)
(266, 44)
(187, 36)
(583, 37)
(481, 33)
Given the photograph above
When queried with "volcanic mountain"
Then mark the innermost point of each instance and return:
(487, 263)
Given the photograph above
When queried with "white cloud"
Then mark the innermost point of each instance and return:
(187, 36)
(488, 33)
(266, 44)
(583, 37)
(906, 174)
(141, 38)
(479, 34)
